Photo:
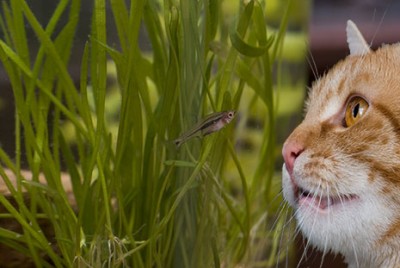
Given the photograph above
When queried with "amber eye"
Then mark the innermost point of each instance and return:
(356, 108)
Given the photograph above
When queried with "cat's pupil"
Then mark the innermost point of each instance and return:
(356, 110)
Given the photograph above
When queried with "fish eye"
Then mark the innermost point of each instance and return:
(355, 110)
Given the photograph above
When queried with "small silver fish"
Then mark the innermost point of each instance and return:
(208, 125)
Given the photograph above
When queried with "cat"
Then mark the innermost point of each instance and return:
(341, 171)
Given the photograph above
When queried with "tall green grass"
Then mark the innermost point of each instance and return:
(140, 201)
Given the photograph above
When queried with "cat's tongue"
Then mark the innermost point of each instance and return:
(323, 202)
(315, 201)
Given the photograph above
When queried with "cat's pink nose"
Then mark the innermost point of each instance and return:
(290, 151)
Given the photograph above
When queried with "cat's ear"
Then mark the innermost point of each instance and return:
(356, 41)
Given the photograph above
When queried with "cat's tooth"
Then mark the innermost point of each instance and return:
(323, 202)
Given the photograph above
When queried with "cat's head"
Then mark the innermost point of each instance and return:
(342, 163)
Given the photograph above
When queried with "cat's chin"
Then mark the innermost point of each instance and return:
(321, 203)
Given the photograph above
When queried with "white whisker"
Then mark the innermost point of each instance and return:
(324, 252)
(316, 194)
(282, 233)
(378, 27)
(313, 65)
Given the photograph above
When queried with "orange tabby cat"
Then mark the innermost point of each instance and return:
(342, 163)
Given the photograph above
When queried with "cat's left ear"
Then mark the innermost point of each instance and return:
(356, 41)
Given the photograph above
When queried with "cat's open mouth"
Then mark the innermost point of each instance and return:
(321, 202)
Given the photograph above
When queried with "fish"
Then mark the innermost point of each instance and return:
(210, 124)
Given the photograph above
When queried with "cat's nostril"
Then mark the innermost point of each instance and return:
(290, 152)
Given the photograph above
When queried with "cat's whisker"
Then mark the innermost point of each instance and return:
(324, 252)
(275, 199)
(295, 233)
(354, 249)
(282, 233)
(378, 27)
(304, 257)
(299, 224)
(314, 196)
(272, 203)
(288, 224)
(281, 209)
(285, 245)
(312, 64)
(319, 193)
(343, 205)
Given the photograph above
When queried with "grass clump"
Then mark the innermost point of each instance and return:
(138, 200)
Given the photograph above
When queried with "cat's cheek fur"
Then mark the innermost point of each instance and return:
(353, 228)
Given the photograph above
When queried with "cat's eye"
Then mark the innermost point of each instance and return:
(356, 108)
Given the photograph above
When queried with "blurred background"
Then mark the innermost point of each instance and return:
(378, 21)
